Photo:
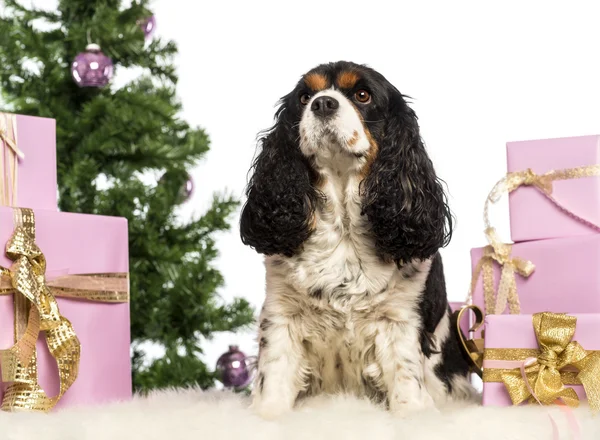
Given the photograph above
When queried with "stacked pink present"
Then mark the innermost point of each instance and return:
(541, 293)
(64, 284)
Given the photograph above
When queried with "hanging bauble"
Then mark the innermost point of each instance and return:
(92, 68)
(234, 368)
(187, 190)
(148, 25)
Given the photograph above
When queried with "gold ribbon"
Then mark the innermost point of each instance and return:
(559, 361)
(9, 156)
(496, 302)
(101, 287)
(36, 310)
(543, 183)
(472, 348)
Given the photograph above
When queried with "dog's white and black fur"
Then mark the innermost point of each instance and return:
(346, 206)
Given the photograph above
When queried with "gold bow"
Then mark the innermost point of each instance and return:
(36, 310)
(547, 372)
(542, 182)
(495, 303)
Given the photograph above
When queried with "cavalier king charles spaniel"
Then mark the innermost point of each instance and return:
(346, 206)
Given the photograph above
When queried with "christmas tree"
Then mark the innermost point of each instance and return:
(125, 152)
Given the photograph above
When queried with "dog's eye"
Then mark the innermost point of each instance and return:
(362, 96)
(305, 98)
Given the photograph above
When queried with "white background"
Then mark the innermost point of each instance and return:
(480, 73)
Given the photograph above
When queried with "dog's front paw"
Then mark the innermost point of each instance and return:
(269, 409)
(407, 408)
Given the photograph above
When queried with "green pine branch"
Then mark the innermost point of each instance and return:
(120, 137)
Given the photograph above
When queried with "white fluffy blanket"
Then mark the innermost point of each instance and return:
(220, 415)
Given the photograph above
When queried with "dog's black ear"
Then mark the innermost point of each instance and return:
(403, 198)
(278, 214)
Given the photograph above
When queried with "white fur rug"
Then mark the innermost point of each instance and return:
(174, 415)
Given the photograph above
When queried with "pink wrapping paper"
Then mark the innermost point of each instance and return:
(80, 244)
(516, 331)
(566, 277)
(36, 175)
(532, 215)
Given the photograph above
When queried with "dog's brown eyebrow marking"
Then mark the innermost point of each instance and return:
(316, 81)
(347, 79)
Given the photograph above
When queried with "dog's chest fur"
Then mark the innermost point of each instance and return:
(338, 260)
(341, 292)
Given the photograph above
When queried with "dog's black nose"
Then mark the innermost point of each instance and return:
(324, 106)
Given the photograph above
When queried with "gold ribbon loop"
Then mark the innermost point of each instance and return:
(28, 280)
(496, 302)
(36, 310)
(549, 371)
(473, 348)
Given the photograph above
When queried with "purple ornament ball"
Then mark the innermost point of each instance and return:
(148, 25)
(92, 68)
(234, 369)
(188, 189)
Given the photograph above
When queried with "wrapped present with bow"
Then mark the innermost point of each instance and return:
(544, 358)
(554, 187)
(27, 161)
(529, 276)
(64, 310)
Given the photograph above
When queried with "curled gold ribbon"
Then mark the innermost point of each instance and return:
(9, 156)
(496, 302)
(36, 310)
(558, 361)
(472, 348)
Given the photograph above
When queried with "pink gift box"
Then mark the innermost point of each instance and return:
(532, 215)
(566, 278)
(516, 331)
(454, 306)
(36, 171)
(80, 244)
